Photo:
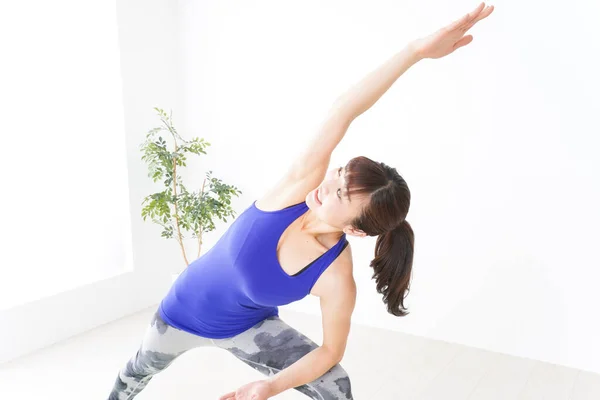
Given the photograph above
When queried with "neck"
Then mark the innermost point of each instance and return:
(315, 227)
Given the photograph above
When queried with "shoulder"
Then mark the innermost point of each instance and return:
(338, 279)
(285, 193)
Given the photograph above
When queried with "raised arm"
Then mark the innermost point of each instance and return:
(362, 96)
(309, 168)
(312, 165)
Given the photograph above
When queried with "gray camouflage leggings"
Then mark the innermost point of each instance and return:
(269, 346)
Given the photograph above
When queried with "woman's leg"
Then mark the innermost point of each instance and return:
(162, 343)
(273, 345)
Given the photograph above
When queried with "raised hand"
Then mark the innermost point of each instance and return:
(451, 37)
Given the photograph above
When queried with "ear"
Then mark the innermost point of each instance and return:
(350, 230)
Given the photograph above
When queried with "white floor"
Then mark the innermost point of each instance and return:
(381, 364)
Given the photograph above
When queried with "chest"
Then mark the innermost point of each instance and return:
(296, 250)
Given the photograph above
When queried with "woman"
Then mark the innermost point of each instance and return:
(228, 297)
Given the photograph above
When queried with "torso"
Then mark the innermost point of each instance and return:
(296, 249)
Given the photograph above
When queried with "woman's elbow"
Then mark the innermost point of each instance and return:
(335, 356)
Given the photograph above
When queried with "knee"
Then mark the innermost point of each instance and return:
(147, 363)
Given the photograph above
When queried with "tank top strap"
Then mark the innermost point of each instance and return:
(313, 272)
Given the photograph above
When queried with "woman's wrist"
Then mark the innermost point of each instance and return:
(413, 48)
(274, 387)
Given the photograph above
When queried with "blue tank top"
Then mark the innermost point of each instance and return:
(239, 281)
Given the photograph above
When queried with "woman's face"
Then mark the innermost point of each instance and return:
(332, 204)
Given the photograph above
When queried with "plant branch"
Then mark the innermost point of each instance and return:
(175, 204)
(200, 234)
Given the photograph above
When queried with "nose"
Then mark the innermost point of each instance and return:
(325, 189)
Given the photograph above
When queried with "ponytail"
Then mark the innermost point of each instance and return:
(392, 266)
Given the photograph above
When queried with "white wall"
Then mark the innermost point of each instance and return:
(497, 142)
(57, 186)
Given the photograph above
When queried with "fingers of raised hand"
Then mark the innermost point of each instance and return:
(463, 42)
(465, 23)
(483, 14)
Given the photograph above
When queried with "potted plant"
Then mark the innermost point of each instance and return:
(175, 208)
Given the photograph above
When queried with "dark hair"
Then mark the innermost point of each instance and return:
(384, 216)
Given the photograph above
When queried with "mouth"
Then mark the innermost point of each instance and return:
(317, 196)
